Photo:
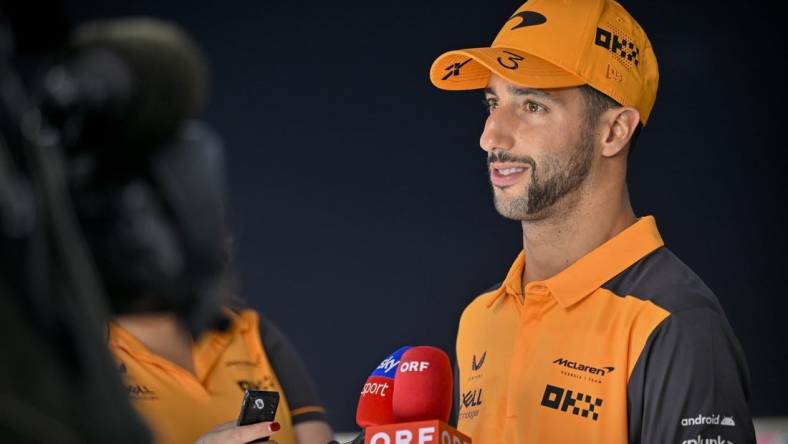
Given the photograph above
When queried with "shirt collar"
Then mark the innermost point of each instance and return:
(591, 271)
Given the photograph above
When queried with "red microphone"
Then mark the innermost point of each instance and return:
(421, 404)
(423, 387)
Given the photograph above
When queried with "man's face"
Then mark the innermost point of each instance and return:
(539, 146)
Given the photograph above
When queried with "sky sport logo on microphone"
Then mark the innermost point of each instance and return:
(388, 364)
(375, 388)
(388, 367)
(374, 404)
(382, 378)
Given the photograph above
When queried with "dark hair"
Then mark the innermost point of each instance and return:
(597, 103)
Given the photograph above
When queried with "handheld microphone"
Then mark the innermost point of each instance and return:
(423, 387)
(421, 402)
(374, 404)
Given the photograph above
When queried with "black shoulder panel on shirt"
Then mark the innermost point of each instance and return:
(291, 371)
(690, 382)
(665, 280)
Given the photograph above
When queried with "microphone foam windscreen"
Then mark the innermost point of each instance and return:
(423, 386)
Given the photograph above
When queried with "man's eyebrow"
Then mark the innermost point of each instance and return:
(521, 91)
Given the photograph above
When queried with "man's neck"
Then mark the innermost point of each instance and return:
(163, 334)
(553, 244)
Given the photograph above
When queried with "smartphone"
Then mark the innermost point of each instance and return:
(258, 406)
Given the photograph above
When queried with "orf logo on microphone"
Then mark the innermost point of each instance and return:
(420, 432)
(414, 366)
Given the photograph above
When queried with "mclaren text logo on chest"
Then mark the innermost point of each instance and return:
(596, 371)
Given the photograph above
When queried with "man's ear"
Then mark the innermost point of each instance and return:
(618, 127)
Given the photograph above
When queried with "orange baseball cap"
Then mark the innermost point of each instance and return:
(562, 43)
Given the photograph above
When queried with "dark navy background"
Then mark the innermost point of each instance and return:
(359, 195)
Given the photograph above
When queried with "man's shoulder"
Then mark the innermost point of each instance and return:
(666, 281)
(483, 298)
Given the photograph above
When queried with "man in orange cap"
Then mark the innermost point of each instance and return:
(598, 333)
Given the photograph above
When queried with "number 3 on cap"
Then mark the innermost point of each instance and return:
(513, 59)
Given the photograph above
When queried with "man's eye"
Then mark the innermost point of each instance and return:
(533, 107)
(490, 104)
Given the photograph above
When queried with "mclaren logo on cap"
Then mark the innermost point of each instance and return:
(528, 18)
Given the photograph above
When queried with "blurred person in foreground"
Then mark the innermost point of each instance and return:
(152, 210)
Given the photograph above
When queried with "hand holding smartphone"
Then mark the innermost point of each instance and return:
(258, 406)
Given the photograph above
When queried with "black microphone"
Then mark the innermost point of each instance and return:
(125, 86)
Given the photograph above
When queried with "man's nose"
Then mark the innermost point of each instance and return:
(497, 134)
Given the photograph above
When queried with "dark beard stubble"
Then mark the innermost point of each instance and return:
(550, 181)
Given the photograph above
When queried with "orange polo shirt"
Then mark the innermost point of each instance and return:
(180, 406)
(625, 345)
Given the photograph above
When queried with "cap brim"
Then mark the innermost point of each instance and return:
(470, 69)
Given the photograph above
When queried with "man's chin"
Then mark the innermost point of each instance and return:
(517, 209)
(511, 209)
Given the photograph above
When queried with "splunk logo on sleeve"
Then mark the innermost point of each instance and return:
(701, 440)
(618, 45)
(562, 399)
